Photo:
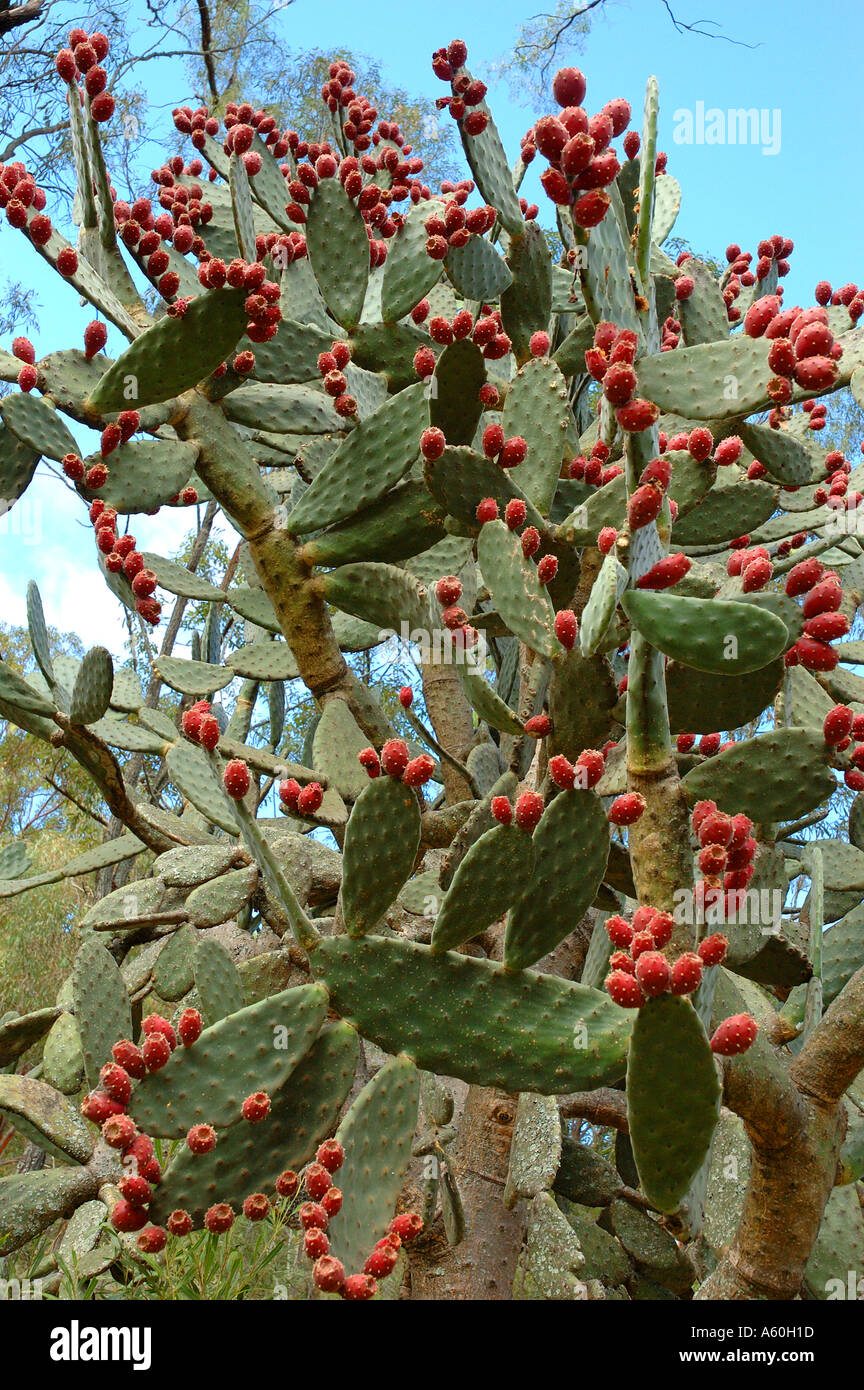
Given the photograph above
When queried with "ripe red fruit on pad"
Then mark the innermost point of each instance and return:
(116, 1082)
(501, 810)
(128, 1056)
(734, 1035)
(189, 1027)
(119, 1131)
(712, 951)
(328, 1274)
(407, 1226)
(382, 1261)
(529, 809)
(394, 757)
(359, 1287)
(624, 989)
(152, 1239)
(448, 590)
(432, 443)
(331, 1155)
(619, 930)
(235, 779)
(837, 725)
(566, 627)
(256, 1207)
(487, 510)
(626, 809)
(562, 771)
(665, 573)
(287, 1183)
(686, 974)
(653, 973)
(201, 1139)
(644, 506)
(179, 1223)
(219, 1218)
(125, 1217)
(315, 1243)
(135, 1190)
(256, 1107)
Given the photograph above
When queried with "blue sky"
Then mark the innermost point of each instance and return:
(804, 66)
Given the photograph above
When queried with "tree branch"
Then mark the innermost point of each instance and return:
(22, 14)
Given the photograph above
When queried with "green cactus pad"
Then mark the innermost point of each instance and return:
(526, 305)
(217, 981)
(334, 221)
(145, 474)
(102, 1009)
(375, 456)
(493, 874)
(39, 1113)
(701, 701)
(221, 898)
(380, 848)
(292, 356)
(173, 975)
(408, 272)
(38, 635)
(582, 697)
(489, 165)
(93, 686)
(255, 1049)
(673, 1098)
(174, 354)
(37, 425)
(535, 1150)
(389, 348)
(264, 661)
(776, 776)
(189, 770)
(667, 205)
(600, 609)
(455, 406)
(607, 272)
(379, 594)
(605, 507)
(335, 744)
(17, 466)
(571, 848)
(838, 1249)
(585, 1176)
(785, 457)
(725, 513)
(710, 380)
(554, 1259)
(459, 1016)
(537, 408)
(280, 410)
(485, 702)
(716, 635)
(254, 606)
(31, 1202)
(14, 860)
(517, 592)
(249, 1157)
(653, 1250)
(403, 523)
(20, 1031)
(461, 478)
(477, 271)
(376, 1135)
(132, 737)
(703, 315)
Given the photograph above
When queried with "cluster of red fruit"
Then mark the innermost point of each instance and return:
(772, 252)
(395, 760)
(467, 93)
(28, 377)
(300, 801)
(840, 730)
(595, 469)
(119, 551)
(638, 968)
(325, 1200)
(200, 725)
(823, 622)
(646, 500)
(454, 226)
(725, 858)
(586, 772)
(582, 162)
(24, 202)
(610, 361)
(331, 366)
(803, 348)
(487, 332)
(83, 58)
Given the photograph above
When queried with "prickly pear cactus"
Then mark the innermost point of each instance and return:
(591, 490)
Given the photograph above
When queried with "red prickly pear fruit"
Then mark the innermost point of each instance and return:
(256, 1107)
(562, 772)
(119, 1131)
(619, 931)
(135, 1190)
(596, 363)
(624, 989)
(382, 1261)
(179, 1223)
(394, 757)
(141, 1150)
(816, 373)
(824, 597)
(854, 779)
(591, 208)
(406, 697)
(569, 87)
(155, 1023)
(189, 1027)
(837, 725)
(631, 144)
(816, 656)
(606, 538)
(67, 261)
(643, 917)
(755, 575)
(626, 809)
(513, 452)
(741, 827)
(316, 1180)
(289, 790)
(368, 759)
(700, 442)
(201, 1139)
(684, 286)
(27, 378)
(128, 1056)
(419, 771)
(540, 726)
(686, 974)
(550, 137)
(709, 744)
(236, 779)
(642, 941)
(539, 344)
(310, 799)
(515, 513)
(734, 1035)
(125, 1217)
(407, 1226)
(712, 859)
(219, 1218)
(331, 1155)
(487, 510)
(493, 441)
(501, 810)
(73, 467)
(332, 1201)
(712, 951)
(313, 1214)
(359, 1287)
(287, 1183)
(432, 443)
(530, 541)
(661, 927)
(329, 1274)
(637, 415)
(684, 742)
(619, 960)
(653, 973)
(665, 573)
(529, 809)
(209, 732)
(156, 1051)
(448, 590)
(547, 568)
(827, 627)
(728, 451)
(116, 1082)
(804, 576)
(644, 506)
(566, 628)
(315, 1243)
(95, 338)
(760, 314)
(96, 477)
(716, 829)
(152, 1239)
(699, 812)
(781, 357)
(619, 383)
(256, 1207)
